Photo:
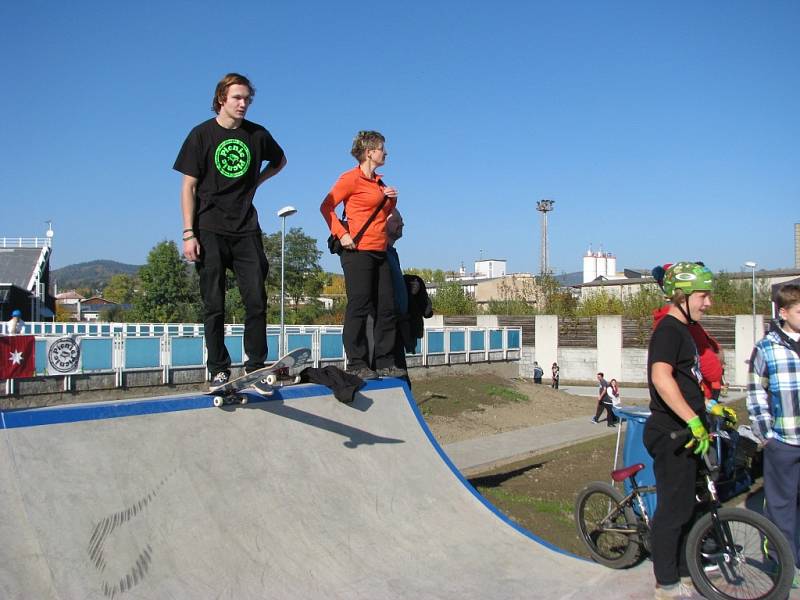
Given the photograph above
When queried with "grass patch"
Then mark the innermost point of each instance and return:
(506, 394)
(452, 396)
(561, 510)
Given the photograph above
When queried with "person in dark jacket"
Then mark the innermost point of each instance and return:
(411, 298)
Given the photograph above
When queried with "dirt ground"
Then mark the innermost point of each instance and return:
(538, 493)
(465, 407)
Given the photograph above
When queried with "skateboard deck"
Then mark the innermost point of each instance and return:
(263, 380)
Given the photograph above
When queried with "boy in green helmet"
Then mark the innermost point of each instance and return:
(677, 402)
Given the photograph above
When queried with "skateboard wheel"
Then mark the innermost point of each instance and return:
(219, 401)
(271, 379)
(297, 379)
(243, 400)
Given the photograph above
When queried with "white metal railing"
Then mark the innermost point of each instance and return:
(25, 242)
(136, 347)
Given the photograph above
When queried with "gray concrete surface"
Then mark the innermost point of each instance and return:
(298, 497)
(481, 454)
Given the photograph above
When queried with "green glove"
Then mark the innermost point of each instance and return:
(699, 436)
(720, 410)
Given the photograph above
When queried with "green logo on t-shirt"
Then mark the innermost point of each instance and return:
(232, 158)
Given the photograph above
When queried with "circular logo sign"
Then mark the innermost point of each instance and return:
(685, 276)
(232, 158)
(63, 355)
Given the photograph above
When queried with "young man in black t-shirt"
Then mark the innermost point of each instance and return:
(221, 164)
(676, 402)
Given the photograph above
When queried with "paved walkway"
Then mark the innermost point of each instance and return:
(481, 454)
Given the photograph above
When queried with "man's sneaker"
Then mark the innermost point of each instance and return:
(668, 592)
(220, 378)
(364, 373)
(594, 420)
(392, 372)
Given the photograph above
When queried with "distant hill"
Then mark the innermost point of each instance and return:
(93, 275)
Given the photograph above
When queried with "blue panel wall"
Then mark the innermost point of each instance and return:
(187, 351)
(436, 342)
(495, 339)
(331, 346)
(234, 345)
(298, 340)
(41, 356)
(97, 354)
(477, 341)
(273, 341)
(457, 341)
(142, 353)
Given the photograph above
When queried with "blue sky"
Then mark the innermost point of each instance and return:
(663, 130)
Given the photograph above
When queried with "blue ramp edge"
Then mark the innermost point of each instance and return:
(443, 455)
(34, 417)
(53, 415)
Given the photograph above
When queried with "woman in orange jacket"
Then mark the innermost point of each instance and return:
(367, 275)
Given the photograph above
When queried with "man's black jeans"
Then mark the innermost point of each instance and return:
(368, 281)
(245, 257)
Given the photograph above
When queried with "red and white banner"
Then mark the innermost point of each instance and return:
(17, 356)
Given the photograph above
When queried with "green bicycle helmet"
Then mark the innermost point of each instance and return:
(689, 277)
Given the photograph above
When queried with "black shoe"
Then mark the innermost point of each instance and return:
(220, 378)
(364, 373)
(392, 372)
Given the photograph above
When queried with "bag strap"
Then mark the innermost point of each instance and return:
(372, 216)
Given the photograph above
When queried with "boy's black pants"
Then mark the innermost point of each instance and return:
(245, 257)
(675, 469)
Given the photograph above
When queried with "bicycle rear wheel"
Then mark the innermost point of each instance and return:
(743, 556)
(607, 527)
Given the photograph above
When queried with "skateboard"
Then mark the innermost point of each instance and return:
(263, 380)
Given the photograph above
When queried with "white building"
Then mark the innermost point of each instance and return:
(599, 264)
(490, 268)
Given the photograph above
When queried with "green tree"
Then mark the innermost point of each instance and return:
(165, 288)
(644, 302)
(599, 303)
(120, 289)
(303, 275)
(450, 299)
(555, 299)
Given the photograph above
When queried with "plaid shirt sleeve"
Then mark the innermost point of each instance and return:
(758, 395)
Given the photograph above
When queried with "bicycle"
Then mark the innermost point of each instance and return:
(732, 553)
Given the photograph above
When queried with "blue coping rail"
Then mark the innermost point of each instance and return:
(124, 347)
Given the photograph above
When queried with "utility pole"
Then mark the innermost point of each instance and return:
(544, 206)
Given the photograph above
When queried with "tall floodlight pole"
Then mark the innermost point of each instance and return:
(752, 266)
(544, 206)
(286, 211)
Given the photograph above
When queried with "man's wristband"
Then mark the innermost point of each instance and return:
(186, 239)
(185, 230)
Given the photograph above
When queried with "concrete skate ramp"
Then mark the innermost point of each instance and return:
(299, 497)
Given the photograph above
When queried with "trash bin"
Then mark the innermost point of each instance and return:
(635, 452)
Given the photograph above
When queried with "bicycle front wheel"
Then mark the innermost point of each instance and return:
(608, 527)
(741, 556)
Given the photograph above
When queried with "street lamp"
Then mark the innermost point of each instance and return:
(752, 266)
(286, 211)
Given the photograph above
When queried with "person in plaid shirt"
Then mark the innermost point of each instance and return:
(773, 401)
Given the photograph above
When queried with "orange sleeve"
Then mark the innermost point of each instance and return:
(340, 191)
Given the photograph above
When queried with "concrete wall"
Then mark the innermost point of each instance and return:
(578, 364)
(609, 345)
(634, 366)
(628, 365)
(746, 336)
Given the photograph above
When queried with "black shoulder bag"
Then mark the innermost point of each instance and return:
(335, 244)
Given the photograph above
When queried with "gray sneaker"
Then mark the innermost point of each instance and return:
(364, 373)
(220, 378)
(392, 372)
